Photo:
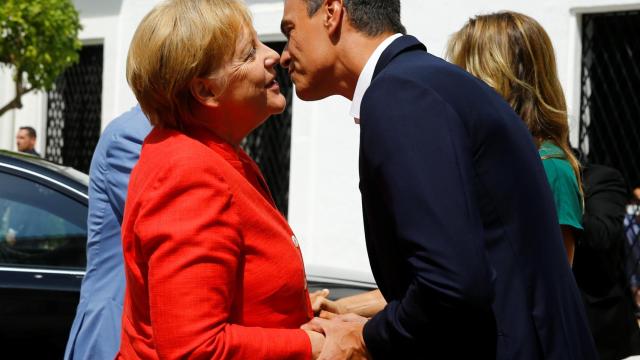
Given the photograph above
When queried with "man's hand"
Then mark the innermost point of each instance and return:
(343, 337)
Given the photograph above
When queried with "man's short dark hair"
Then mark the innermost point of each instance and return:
(31, 131)
(371, 17)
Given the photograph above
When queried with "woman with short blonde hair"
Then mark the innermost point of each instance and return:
(513, 54)
(213, 270)
(175, 43)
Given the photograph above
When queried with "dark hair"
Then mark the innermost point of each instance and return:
(371, 17)
(31, 131)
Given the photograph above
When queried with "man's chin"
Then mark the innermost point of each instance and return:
(307, 94)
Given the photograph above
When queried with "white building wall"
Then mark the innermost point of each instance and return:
(33, 113)
(7, 121)
(324, 207)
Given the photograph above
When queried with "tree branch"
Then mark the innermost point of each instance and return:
(10, 105)
(16, 103)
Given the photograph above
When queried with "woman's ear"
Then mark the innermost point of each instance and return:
(205, 91)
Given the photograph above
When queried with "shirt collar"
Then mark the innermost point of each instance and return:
(367, 75)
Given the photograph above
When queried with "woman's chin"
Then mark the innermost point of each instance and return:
(278, 108)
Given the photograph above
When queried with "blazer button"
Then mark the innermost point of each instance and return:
(295, 241)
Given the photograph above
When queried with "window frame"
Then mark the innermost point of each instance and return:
(63, 189)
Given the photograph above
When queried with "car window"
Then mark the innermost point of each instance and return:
(39, 226)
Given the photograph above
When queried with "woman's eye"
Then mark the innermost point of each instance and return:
(252, 54)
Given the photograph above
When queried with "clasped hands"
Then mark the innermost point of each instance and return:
(334, 334)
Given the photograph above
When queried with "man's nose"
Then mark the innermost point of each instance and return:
(285, 58)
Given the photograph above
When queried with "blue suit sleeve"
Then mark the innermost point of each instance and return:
(122, 155)
(419, 157)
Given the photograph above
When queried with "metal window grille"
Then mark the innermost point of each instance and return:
(270, 144)
(610, 108)
(610, 104)
(74, 111)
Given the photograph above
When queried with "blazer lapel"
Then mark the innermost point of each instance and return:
(397, 47)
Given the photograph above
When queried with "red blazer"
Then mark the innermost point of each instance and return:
(213, 269)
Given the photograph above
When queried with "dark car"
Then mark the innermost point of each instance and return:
(43, 235)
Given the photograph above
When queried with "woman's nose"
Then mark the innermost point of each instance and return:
(272, 58)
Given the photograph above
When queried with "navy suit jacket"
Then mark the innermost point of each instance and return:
(460, 223)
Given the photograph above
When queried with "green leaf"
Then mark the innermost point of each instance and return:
(39, 37)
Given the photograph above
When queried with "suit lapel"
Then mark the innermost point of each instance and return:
(397, 47)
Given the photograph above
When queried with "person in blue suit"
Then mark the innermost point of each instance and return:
(95, 333)
(460, 224)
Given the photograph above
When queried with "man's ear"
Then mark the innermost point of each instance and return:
(205, 91)
(333, 13)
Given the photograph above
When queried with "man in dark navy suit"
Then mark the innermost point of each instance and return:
(460, 224)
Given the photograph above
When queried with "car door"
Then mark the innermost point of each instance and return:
(43, 230)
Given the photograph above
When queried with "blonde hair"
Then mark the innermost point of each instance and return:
(178, 41)
(513, 54)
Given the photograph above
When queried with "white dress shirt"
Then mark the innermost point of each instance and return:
(364, 80)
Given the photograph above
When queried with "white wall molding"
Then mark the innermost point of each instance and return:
(597, 6)
(573, 91)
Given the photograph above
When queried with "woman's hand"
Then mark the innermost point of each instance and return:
(366, 304)
(316, 298)
(324, 307)
(317, 342)
(343, 337)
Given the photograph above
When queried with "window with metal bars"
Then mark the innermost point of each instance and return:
(74, 107)
(610, 108)
(610, 102)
